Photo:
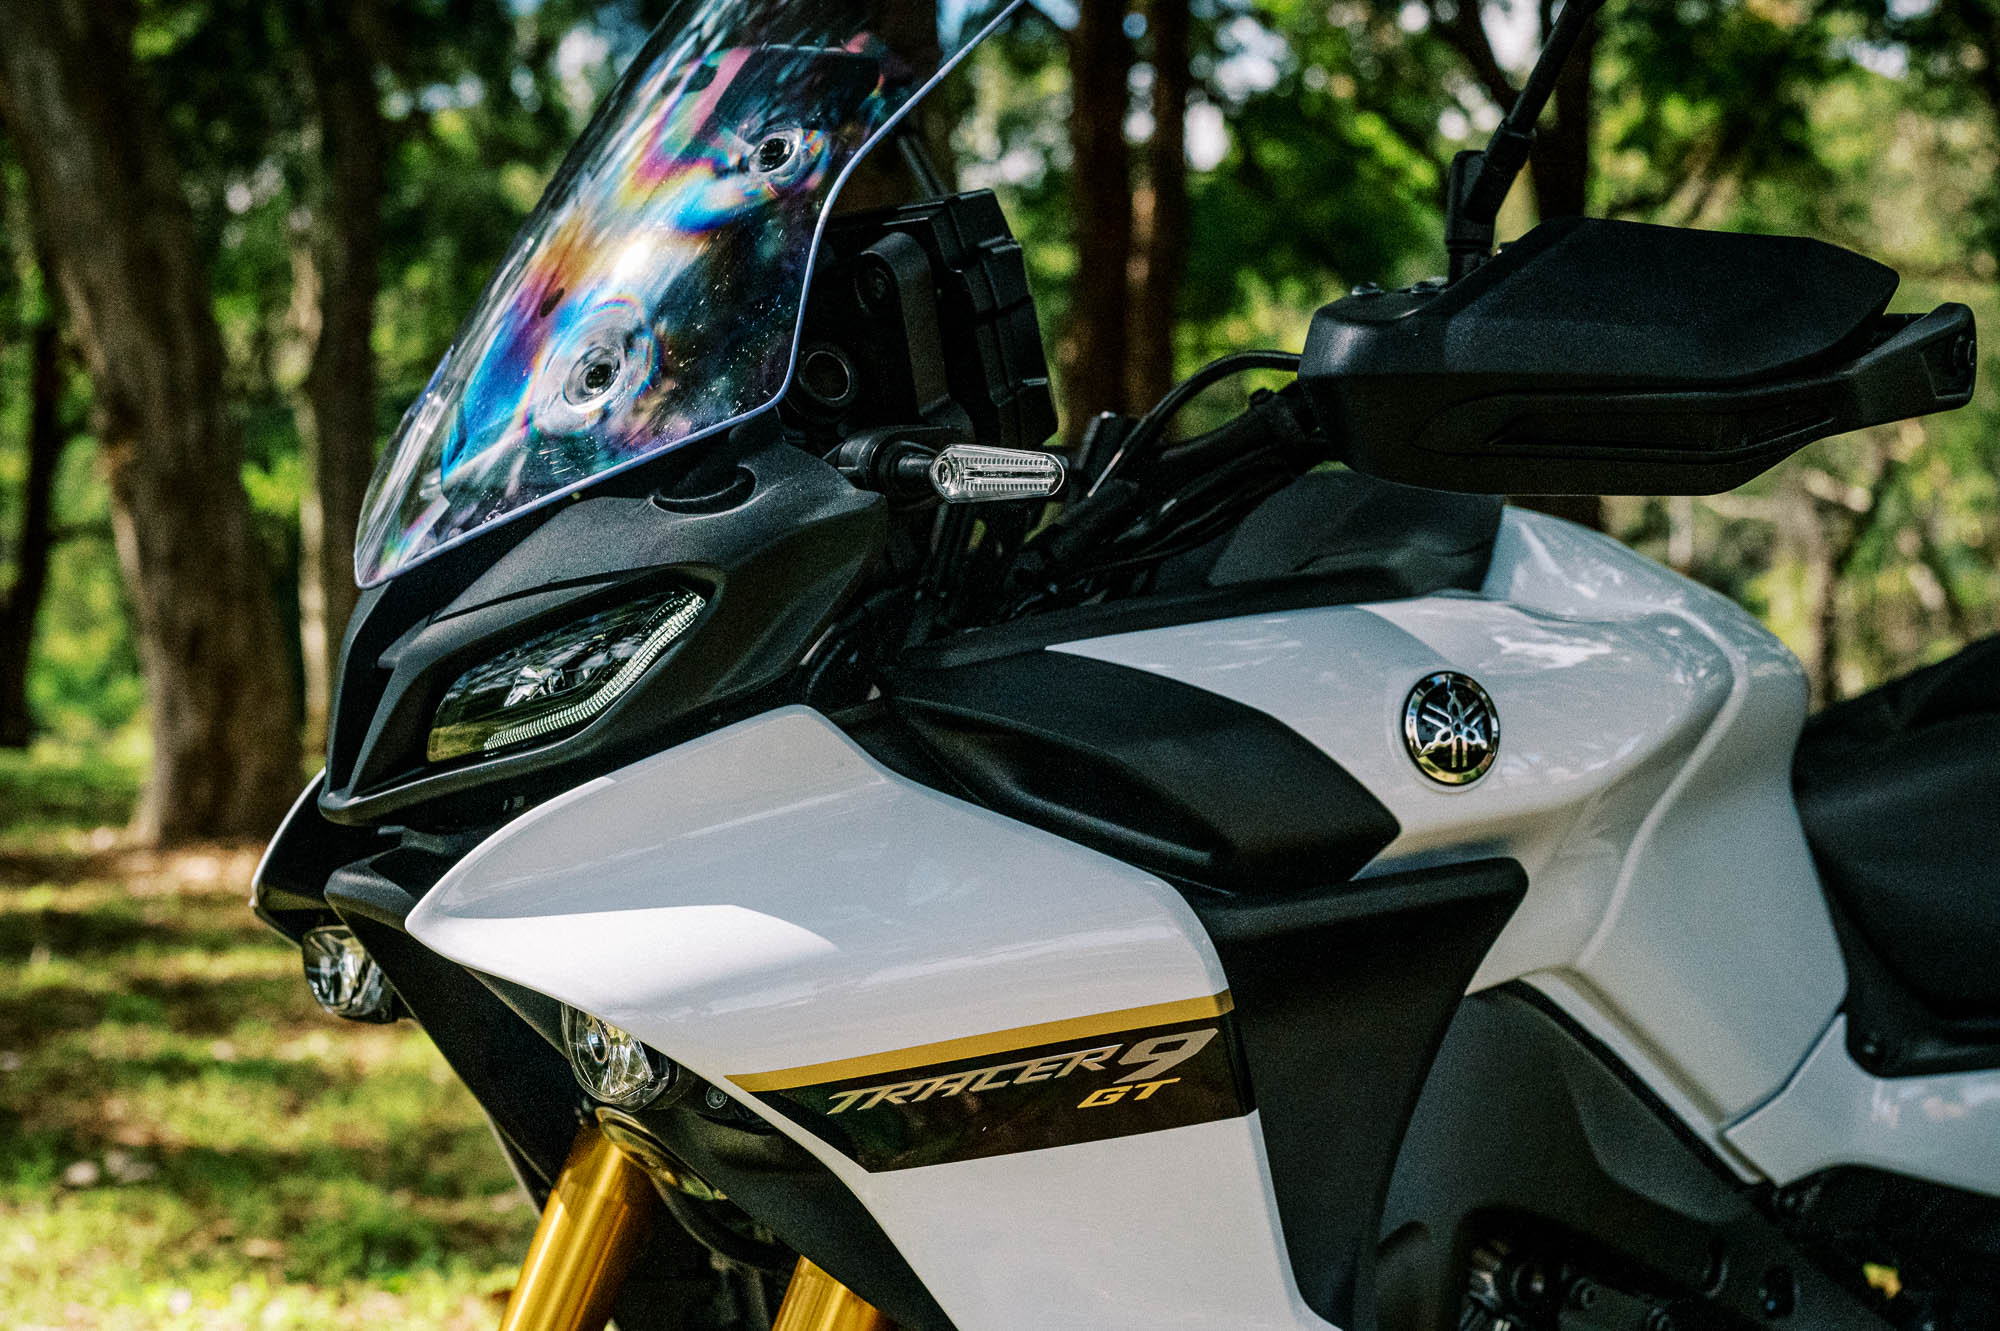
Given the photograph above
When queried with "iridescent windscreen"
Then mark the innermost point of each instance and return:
(654, 296)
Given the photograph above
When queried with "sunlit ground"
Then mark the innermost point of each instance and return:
(186, 1142)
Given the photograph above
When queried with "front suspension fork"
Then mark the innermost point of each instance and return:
(598, 1216)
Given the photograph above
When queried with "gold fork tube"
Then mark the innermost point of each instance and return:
(598, 1214)
(815, 1301)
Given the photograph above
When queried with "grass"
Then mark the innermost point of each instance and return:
(187, 1143)
(56, 785)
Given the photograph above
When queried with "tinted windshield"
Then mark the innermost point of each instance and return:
(654, 296)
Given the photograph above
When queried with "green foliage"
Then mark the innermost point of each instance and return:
(481, 102)
(1318, 134)
(1698, 97)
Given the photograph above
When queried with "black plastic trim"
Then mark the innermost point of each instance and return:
(1136, 614)
(303, 852)
(1173, 778)
(776, 559)
(798, 1199)
(1524, 1129)
(1342, 995)
(1595, 356)
(1914, 914)
(1893, 1032)
(1943, 1243)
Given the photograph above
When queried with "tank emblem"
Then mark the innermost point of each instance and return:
(1451, 728)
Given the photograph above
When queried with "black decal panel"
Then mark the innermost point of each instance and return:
(1060, 1092)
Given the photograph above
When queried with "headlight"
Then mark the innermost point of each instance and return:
(611, 1063)
(560, 680)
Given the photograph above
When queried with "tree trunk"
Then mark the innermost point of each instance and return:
(22, 603)
(336, 413)
(109, 200)
(1161, 249)
(1101, 212)
(1560, 164)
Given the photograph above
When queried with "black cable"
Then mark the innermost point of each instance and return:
(1199, 531)
(1154, 423)
(917, 158)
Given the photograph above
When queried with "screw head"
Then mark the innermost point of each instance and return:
(715, 1098)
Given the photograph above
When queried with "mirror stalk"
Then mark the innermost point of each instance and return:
(1480, 178)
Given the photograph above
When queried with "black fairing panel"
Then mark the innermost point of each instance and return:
(1897, 793)
(1170, 777)
(1333, 527)
(1524, 1129)
(1342, 994)
(304, 851)
(775, 538)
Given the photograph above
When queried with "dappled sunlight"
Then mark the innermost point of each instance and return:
(187, 1142)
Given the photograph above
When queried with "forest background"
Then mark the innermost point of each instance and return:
(235, 236)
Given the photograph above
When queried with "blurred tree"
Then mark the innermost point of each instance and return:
(1952, 49)
(1160, 242)
(107, 196)
(335, 276)
(34, 536)
(333, 148)
(45, 437)
(1699, 101)
(1100, 66)
(1333, 165)
(909, 28)
(1560, 165)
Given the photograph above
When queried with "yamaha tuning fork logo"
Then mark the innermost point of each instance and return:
(1451, 728)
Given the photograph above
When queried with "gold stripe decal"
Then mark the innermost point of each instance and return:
(996, 1042)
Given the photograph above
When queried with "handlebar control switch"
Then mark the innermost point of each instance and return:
(974, 473)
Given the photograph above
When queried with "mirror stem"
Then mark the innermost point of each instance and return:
(1479, 180)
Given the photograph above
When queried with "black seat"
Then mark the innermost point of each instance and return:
(1899, 790)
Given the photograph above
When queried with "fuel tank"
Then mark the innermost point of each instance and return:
(1642, 778)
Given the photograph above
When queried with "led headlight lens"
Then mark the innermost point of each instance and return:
(343, 978)
(559, 681)
(611, 1063)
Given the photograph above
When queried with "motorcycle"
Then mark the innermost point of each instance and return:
(869, 863)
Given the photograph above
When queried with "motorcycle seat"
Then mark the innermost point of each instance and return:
(1899, 791)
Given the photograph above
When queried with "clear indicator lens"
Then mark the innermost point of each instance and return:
(970, 474)
(611, 1063)
(343, 978)
(559, 681)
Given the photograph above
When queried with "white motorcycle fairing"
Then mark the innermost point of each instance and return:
(768, 899)
(776, 911)
(1642, 781)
